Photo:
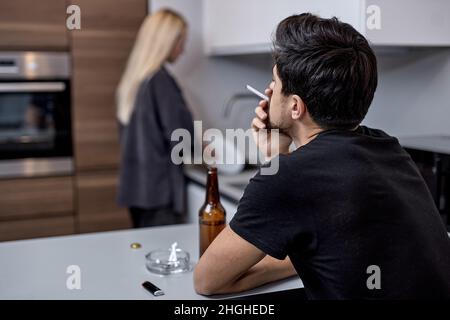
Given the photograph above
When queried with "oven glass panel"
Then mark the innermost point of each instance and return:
(34, 124)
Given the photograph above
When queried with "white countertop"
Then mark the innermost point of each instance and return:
(432, 143)
(110, 269)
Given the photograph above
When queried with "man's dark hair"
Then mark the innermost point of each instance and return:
(329, 65)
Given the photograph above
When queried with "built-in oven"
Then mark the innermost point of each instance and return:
(35, 114)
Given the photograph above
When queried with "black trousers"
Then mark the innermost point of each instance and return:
(143, 218)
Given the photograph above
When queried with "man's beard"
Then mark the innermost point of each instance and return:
(281, 127)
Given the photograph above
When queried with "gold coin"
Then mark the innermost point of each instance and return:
(135, 245)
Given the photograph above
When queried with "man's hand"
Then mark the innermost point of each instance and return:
(269, 141)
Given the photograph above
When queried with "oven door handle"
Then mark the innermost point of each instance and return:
(32, 86)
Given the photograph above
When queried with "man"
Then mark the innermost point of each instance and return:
(347, 202)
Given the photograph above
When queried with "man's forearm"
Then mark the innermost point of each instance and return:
(265, 271)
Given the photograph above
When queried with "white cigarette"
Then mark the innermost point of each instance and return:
(259, 94)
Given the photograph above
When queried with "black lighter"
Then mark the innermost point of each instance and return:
(154, 290)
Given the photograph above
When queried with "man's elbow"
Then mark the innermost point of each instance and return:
(203, 284)
(202, 289)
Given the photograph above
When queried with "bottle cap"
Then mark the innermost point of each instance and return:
(135, 245)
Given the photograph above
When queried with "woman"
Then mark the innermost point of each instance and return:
(150, 107)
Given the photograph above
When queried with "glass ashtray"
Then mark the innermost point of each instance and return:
(168, 261)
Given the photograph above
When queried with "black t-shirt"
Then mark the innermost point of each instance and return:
(344, 202)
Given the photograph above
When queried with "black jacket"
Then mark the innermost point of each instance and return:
(148, 177)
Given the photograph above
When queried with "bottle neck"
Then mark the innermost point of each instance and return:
(212, 187)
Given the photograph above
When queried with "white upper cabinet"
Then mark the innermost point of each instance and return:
(410, 23)
(247, 26)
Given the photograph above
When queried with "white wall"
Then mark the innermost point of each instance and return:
(413, 95)
(208, 83)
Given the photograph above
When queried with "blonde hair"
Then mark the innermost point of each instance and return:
(155, 41)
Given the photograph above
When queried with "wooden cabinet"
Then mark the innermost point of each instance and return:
(36, 207)
(99, 54)
(247, 26)
(97, 208)
(33, 25)
(106, 16)
(98, 64)
(86, 202)
(36, 228)
(36, 197)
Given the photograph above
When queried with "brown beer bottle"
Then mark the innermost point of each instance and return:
(211, 215)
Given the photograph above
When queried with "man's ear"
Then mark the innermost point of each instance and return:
(298, 107)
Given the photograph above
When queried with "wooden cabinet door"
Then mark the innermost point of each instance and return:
(99, 54)
(36, 207)
(98, 64)
(36, 228)
(33, 25)
(97, 206)
(30, 198)
(100, 51)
